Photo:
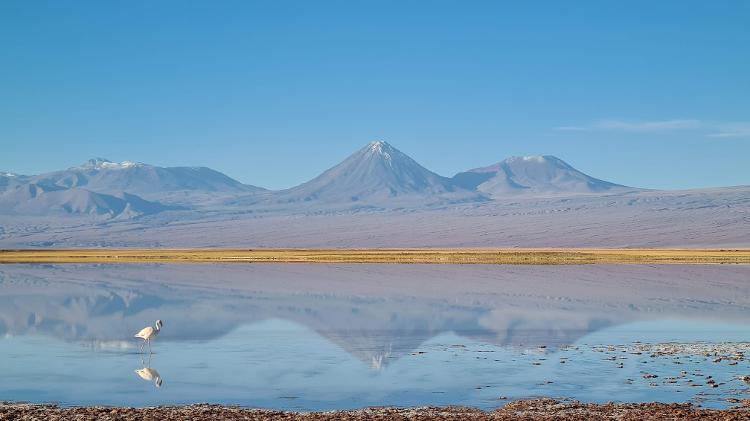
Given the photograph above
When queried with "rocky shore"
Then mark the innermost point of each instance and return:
(541, 409)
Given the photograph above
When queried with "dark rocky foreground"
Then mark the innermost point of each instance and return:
(542, 409)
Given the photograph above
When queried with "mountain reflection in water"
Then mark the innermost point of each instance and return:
(296, 320)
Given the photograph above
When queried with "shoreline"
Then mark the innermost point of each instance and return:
(521, 409)
(499, 256)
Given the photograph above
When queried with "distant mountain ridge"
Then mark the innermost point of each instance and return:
(111, 189)
(43, 200)
(532, 175)
(376, 176)
(102, 175)
(9, 180)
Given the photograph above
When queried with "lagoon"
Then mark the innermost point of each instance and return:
(322, 337)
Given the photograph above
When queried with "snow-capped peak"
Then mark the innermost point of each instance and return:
(102, 164)
(381, 148)
(8, 174)
(534, 158)
(529, 158)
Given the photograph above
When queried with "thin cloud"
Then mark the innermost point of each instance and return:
(708, 128)
(573, 128)
(732, 130)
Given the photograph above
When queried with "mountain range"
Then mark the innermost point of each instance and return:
(376, 176)
(376, 197)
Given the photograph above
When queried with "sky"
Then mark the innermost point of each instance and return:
(645, 93)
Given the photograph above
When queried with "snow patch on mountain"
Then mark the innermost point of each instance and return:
(105, 164)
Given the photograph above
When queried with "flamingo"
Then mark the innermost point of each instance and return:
(148, 333)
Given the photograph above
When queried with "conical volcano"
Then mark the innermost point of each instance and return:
(377, 173)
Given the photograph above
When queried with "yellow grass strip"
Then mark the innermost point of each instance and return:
(416, 256)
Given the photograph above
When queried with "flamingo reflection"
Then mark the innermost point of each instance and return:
(149, 374)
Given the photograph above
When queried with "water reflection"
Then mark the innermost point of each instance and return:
(147, 373)
(349, 336)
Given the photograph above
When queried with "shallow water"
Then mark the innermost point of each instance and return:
(315, 337)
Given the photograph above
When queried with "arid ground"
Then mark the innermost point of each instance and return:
(544, 256)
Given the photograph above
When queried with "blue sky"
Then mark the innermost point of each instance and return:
(652, 93)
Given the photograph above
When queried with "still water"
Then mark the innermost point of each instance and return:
(319, 337)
